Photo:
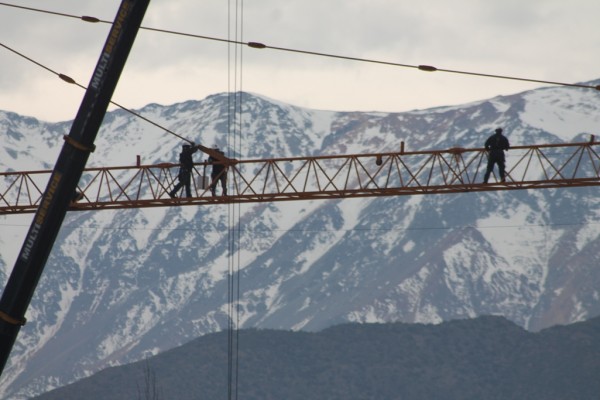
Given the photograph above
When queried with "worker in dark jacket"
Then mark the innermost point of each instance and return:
(185, 170)
(496, 145)
(219, 173)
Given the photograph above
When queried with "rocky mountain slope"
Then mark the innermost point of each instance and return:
(122, 285)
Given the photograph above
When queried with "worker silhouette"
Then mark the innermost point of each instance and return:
(185, 170)
(495, 146)
(219, 173)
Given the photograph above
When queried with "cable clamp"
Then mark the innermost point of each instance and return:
(256, 45)
(13, 321)
(78, 145)
(428, 68)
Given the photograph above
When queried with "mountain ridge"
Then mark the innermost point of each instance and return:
(122, 285)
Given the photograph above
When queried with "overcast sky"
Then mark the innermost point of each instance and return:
(553, 40)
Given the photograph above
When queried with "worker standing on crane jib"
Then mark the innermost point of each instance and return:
(185, 170)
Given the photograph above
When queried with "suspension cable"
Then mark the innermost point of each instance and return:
(72, 81)
(258, 45)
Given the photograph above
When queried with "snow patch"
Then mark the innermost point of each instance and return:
(153, 220)
(587, 234)
(564, 113)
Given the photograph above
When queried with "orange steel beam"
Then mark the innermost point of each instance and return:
(453, 170)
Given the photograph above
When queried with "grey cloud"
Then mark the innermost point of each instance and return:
(536, 38)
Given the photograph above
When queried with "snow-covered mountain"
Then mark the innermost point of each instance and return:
(122, 285)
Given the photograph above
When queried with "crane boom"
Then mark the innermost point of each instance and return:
(51, 205)
(453, 170)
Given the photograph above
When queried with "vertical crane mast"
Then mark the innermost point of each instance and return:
(66, 174)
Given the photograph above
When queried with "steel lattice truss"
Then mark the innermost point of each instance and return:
(304, 178)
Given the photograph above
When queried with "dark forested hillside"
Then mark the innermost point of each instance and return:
(483, 358)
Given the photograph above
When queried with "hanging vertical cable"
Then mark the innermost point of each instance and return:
(234, 60)
(229, 277)
(237, 207)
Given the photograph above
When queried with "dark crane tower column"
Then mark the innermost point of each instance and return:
(66, 174)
